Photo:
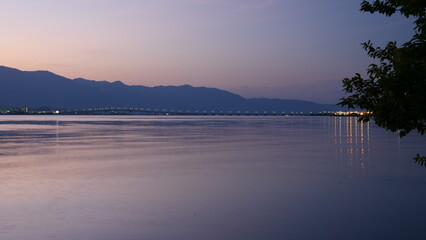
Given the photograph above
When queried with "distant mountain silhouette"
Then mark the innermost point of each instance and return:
(43, 88)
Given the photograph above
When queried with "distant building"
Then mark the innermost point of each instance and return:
(4, 110)
(21, 110)
(352, 113)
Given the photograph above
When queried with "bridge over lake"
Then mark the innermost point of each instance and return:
(156, 111)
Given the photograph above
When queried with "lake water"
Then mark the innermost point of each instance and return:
(139, 177)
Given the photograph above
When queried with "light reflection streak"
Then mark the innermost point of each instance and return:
(57, 133)
(353, 145)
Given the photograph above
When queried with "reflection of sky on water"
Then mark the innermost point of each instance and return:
(120, 177)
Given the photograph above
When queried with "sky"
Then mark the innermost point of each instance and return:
(291, 49)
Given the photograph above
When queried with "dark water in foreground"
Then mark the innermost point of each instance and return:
(131, 178)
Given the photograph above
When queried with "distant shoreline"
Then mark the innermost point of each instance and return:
(332, 114)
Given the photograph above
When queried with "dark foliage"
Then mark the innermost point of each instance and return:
(395, 90)
(421, 160)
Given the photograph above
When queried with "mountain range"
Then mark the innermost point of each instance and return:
(43, 88)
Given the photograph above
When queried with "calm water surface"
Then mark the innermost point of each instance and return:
(135, 177)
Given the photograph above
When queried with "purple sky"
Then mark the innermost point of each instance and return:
(299, 49)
